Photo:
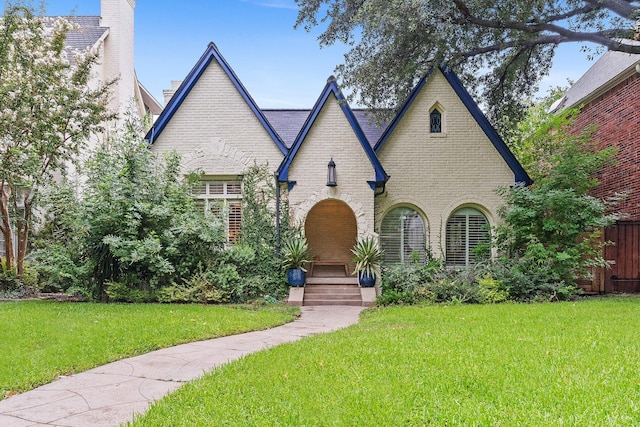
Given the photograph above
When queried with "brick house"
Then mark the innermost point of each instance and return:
(425, 183)
(609, 93)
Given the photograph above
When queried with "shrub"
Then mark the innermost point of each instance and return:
(123, 292)
(200, 288)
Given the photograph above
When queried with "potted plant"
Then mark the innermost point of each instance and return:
(295, 254)
(367, 256)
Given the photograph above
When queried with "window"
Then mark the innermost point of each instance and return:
(402, 236)
(224, 199)
(435, 121)
(466, 229)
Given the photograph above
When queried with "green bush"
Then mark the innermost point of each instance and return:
(123, 292)
(11, 284)
(59, 268)
(199, 288)
(486, 283)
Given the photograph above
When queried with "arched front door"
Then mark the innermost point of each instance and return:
(331, 231)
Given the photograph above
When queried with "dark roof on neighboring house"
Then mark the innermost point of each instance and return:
(608, 71)
(88, 34)
(288, 124)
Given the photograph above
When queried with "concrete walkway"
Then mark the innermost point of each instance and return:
(111, 394)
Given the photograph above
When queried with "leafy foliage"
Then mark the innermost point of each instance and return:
(48, 112)
(265, 275)
(554, 227)
(501, 49)
(490, 282)
(134, 231)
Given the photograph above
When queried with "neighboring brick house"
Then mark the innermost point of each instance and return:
(609, 93)
(424, 183)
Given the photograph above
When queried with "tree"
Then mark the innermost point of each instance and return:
(501, 48)
(47, 113)
(143, 229)
(552, 231)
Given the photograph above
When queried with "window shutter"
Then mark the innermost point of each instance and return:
(235, 220)
(466, 229)
(402, 237)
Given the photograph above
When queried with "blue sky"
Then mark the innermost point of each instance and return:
(280, 67)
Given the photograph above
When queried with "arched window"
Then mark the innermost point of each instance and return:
(435, 121)
(402, 236)
(466, 229)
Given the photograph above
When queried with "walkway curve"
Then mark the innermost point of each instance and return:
(111, 394)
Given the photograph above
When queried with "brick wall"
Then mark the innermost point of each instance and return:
(332, 137)
(216, 131)
(439, 173)
(617, 115)
(118, 60)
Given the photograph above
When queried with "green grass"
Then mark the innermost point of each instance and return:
(565, 364)
(42, 340)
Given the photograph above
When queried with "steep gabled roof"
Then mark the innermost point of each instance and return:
(88, 33)
(331, 88)
(455, 83)
(210, 54)
(608, 71)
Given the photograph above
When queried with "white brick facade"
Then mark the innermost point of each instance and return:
(213, 123)
(215, 130)
(439, 173)
(332, 137)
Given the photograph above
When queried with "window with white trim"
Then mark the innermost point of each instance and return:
(402, 236)
(466, 229)
(223, 199)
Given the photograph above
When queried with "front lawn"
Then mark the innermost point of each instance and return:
(42, 340)
(569, 364)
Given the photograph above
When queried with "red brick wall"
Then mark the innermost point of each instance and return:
(617, 115)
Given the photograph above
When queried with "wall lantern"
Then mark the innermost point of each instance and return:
(331, 174)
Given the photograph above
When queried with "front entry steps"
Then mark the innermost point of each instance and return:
(332, 291)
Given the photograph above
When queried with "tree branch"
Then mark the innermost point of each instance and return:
(619, 7)
(612, 39)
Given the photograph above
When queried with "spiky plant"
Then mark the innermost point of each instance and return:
(367, 256)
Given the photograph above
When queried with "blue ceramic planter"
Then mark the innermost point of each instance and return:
(296, 277)
(366, 280)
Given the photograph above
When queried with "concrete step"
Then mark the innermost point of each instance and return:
(357, 303)
(332, 294)
(332, 281)
(337, 289)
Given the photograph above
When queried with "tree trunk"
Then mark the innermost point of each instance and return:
(23, 238)
(5, 228)
(22, 231)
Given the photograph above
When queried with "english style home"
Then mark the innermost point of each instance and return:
(424, 184)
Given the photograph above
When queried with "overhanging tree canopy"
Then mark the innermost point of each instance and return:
(500, 48)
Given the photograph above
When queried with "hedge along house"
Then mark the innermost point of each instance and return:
(424, 185)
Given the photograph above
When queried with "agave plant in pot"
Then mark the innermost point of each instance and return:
(295, 254)
(367, 257)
